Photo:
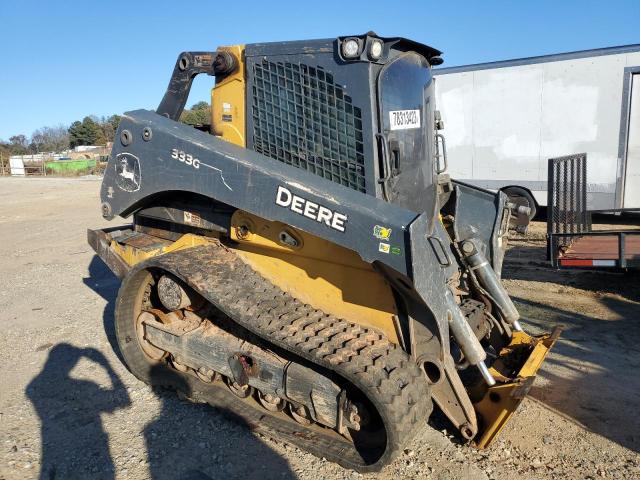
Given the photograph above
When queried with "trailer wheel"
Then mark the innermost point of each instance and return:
(522, 197)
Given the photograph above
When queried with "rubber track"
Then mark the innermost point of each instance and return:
(379, 369)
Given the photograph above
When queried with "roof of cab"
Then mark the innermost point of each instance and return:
(327, 45)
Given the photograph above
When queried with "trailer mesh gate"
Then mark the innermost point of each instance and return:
(566, 202)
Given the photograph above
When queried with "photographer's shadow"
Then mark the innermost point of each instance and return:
(74, 442)
(188, 441)
(185, 441)
(103, 282)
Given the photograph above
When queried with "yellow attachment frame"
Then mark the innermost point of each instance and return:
(138, 250)
(501, 401)
(228, 102)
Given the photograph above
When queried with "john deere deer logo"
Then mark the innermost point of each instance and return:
(128, 172)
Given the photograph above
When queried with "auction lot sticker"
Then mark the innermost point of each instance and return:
(404, 119)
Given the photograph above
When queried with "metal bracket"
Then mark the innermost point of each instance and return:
(188, 66)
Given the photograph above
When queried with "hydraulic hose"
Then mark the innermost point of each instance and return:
(491, 283)
(469, 343)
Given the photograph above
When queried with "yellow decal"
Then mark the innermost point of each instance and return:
(381, 233)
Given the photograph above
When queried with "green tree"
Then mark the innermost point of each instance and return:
(87, 132)
(90, 131)
(109, 127)
(202, 105)
(76, 134)
(199, 114)
(97, 127)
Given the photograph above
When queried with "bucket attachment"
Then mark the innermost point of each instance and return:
(524, 356)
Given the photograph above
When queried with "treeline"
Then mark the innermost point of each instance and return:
(91, 130)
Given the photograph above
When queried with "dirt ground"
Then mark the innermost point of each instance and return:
(67, 402)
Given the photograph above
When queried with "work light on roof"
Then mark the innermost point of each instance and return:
(350, 48)
(375, 49)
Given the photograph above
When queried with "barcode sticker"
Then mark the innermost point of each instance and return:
(404, 119)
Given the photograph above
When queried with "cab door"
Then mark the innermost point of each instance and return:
(406, 95)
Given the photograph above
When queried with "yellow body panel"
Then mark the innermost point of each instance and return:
(322, 274)
(502, 400)
(316, 271)
(132, 254)
(228, 102)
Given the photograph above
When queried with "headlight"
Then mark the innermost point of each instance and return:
(350, 48)
(375, 49)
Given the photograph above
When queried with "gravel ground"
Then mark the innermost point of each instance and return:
(68, 406)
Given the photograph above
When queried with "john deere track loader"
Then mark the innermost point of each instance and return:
(304, 261)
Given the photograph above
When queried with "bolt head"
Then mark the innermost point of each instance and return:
(106, 210)
(468, 247)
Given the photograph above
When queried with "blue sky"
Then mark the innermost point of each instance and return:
(62, 60)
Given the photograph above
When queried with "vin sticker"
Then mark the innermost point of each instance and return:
(192, 219)
(404, 119)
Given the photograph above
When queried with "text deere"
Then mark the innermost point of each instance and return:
(309, 209)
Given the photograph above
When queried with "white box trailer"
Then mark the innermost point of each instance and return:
(504, 120)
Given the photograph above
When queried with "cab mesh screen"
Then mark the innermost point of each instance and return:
(302, 118)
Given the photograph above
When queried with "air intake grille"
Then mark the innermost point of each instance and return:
(302, 118)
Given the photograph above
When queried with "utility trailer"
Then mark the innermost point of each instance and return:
(571, 240)
(503, 120)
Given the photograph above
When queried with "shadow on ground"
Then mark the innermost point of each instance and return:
(593, 370)
(184, 442)
(624, 284)
(102, 281)
(74, 443)
(190, 441)
(532, 255)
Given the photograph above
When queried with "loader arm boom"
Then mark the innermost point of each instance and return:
(188, 66)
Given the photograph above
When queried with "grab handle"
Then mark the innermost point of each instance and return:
(443, 155)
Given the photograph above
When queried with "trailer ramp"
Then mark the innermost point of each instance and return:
(571, 240)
